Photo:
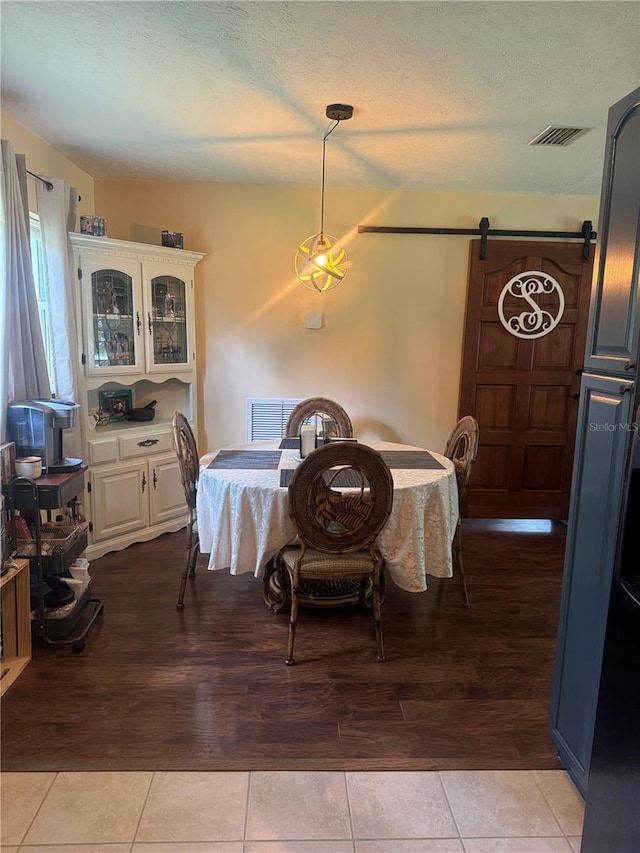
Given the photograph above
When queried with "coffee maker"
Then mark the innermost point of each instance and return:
(36, 428)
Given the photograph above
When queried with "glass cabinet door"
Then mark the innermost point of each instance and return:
(167, 322)
(114, 322)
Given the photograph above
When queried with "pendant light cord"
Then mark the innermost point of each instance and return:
(324, 145)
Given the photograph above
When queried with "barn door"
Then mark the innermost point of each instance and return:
(524, 342)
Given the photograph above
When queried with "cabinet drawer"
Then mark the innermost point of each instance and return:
(132, 447)
(105, 450)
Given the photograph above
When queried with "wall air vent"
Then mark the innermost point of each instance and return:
(267, 417)
(556, 135)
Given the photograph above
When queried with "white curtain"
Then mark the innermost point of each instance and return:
(57, 211)
(23, 368)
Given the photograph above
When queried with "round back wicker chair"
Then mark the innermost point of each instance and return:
(187, 453)
(319, 406)
(462, 449)
(340, 498)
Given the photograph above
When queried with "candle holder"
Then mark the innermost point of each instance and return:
(307, 440)
(328, 426)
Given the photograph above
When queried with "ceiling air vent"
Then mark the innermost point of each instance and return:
(556, 135)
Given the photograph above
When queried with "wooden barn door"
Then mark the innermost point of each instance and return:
(524, 341)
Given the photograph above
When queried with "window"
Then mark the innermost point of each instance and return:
(40, 279)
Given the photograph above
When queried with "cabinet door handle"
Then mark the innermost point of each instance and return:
(626, 389)
(149, 321)
(629, 365)
(155, 480)
(144, 482)
(138, 323)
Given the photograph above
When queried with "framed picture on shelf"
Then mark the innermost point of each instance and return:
(117, 403)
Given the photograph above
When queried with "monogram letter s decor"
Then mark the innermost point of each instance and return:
(534, 321)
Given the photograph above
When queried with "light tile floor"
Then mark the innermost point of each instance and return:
(501, 811)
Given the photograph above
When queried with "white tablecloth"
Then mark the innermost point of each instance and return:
(243, 520)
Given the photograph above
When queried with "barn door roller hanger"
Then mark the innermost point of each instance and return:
(484, 232)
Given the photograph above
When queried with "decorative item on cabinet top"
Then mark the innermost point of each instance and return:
(92, 224)
(173, 239)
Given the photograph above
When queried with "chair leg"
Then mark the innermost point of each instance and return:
(377, 615)
(193, 556)
(193, 549)
(183, 585)
(293, 617)
(458, 566)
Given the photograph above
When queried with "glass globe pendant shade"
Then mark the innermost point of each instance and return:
(321, 263)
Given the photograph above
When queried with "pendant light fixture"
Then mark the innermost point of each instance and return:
(320, 262)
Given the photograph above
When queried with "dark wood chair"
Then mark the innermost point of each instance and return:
(340, 498)
(189, 460)
(319, 406)
(462, 449)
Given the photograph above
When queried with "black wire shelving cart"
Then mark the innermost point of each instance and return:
(52, 550)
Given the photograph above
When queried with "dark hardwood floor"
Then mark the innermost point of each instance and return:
(207, 689)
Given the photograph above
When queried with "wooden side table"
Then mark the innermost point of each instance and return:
(16, 623)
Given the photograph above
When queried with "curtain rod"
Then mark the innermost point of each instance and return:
(47, 183)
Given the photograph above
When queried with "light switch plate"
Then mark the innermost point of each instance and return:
(313, 320)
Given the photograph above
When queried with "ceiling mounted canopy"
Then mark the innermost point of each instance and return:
(321, 261)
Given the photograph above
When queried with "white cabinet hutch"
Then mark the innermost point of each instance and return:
(138, 346)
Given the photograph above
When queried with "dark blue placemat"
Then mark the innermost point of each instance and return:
(285, 477)
(294, 443)
(410, 459)
(256, 459)
(346, 479)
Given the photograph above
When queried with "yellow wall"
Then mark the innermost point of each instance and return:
(390, 347)
(44, 160)
(389, 350)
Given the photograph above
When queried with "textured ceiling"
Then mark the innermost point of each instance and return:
(446, 94)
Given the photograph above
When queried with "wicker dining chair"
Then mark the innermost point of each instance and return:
(187, 452)
(319, 406)
(340, 498)
(462, 449)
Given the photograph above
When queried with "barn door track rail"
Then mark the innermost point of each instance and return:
(484, 232)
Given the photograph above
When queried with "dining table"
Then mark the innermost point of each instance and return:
(243, 518)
